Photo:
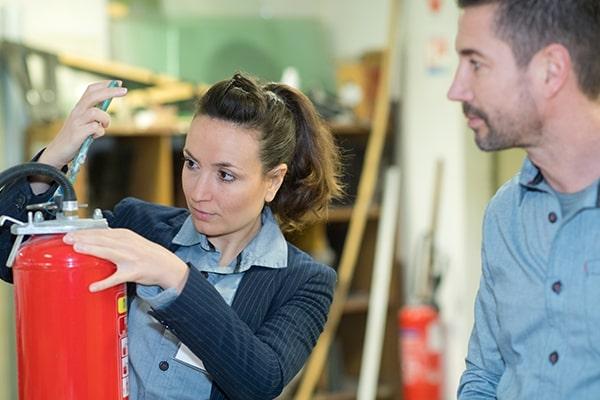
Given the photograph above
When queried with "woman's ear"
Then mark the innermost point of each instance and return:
(274, 181)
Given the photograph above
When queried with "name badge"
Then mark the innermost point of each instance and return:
(185, 355)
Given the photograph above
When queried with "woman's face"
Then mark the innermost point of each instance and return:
(223, 180)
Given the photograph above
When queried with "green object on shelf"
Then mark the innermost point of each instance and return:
(207, 50)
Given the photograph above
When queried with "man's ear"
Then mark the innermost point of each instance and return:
(551, 68)
(274, 181)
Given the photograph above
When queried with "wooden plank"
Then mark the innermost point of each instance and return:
(115, 70)
(153, 130)
(366, 189)
(171, 93)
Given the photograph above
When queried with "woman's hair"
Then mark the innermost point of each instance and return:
(290, 132)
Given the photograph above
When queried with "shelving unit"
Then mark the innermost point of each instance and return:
(339, 379)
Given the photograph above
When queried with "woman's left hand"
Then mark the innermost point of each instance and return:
(137, 259)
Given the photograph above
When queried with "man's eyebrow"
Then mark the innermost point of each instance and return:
(469, 52)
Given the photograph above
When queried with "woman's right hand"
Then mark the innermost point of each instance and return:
(85, 119)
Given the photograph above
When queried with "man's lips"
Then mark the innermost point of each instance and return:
(474, 121)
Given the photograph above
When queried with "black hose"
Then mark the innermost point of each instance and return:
(17, 172)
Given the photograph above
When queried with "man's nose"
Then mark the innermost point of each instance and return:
(459, 90)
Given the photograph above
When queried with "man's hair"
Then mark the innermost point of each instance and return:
(530, 25)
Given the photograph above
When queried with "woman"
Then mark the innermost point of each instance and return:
(223, 307)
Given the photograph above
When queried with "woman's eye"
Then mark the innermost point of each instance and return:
(226, 176)
(189, 163)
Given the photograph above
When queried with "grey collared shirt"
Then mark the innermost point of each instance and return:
(157, 368)
(537, 314)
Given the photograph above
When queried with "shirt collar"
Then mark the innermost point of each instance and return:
(531, 178)
(267, 249)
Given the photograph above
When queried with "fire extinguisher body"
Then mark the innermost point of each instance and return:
(421, 352)
(71, 343)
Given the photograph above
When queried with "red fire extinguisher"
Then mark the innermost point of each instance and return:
(421, 352)
(71, 343)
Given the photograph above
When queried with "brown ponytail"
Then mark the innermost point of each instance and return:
(291, 132)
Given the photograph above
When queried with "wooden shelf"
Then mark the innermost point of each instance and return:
(132, 130)
(343, 213)
(350, 129)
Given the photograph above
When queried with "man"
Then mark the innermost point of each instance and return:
(529, 77)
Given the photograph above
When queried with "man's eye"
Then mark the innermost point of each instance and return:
(475, 64)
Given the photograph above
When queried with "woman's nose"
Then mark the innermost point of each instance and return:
(202, 189)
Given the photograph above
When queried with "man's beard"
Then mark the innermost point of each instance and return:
(507, 136)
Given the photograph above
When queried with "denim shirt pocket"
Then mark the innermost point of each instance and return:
(592, 302)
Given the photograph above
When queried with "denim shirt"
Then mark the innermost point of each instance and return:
(537, 312)
(161, 367)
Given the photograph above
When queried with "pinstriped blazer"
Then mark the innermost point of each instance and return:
(255, 347)
(251, 349)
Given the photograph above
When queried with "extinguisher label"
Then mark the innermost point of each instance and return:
(122, 305)
(124, 352)
(124, 367)
(435, 337)
(123, 347)
(125, 387)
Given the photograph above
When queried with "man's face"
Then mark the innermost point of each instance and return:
(494, 91)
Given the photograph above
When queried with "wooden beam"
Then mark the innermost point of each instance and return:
(116, 70)
(171, 93)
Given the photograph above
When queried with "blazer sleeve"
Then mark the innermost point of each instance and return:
(252, 364)
(13, 202)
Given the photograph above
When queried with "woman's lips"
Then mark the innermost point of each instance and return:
(203, 215)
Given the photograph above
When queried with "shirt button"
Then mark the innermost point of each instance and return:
(163, 365)
(556, 287)
(553, 357)
(552, 217)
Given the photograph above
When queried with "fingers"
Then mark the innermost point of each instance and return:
(95, 129)
(113, 280)
(100, 237)
(96, 93)
(96, 114)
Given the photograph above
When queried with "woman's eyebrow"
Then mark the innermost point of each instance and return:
(222, 164)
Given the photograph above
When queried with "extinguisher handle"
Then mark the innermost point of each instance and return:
(13, 252)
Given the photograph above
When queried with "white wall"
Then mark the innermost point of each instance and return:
(61, 25)
(432, 128)
(356, 26)
(264, 8)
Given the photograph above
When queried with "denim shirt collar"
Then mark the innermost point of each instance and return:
(267, 249)
(531, 178)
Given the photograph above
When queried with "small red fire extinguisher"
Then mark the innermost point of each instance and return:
(421, 352)
(71, 343)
